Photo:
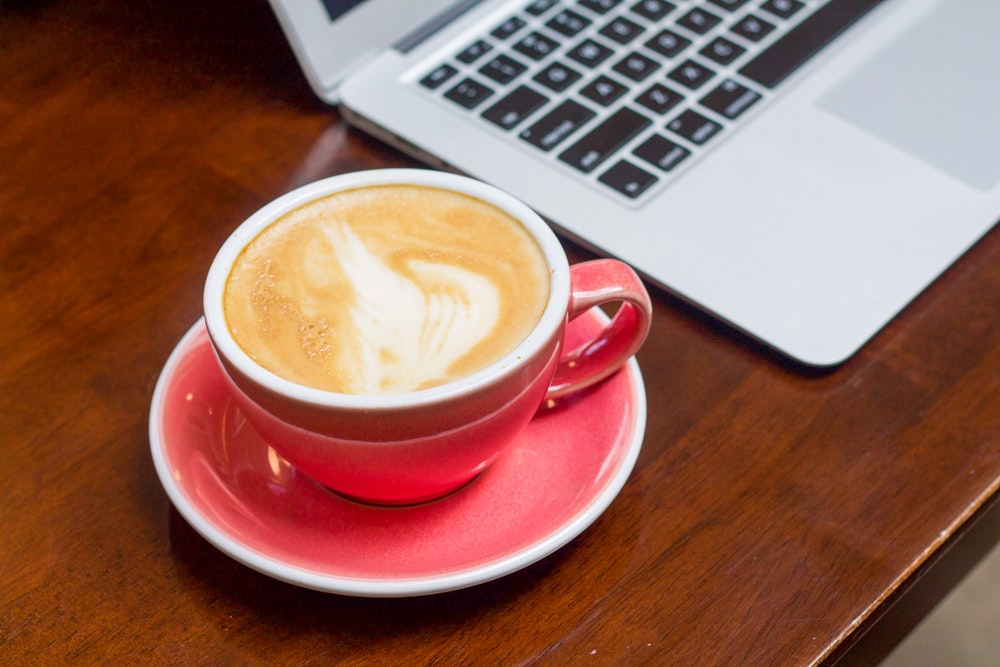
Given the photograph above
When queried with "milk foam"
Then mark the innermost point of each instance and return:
(386, 289)
(409, 329)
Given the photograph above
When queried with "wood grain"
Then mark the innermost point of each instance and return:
(774, 515)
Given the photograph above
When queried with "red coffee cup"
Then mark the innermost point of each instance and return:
(415, 446)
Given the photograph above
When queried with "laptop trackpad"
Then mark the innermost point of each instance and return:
(931, 99)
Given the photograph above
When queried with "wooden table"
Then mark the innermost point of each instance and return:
(773, 517)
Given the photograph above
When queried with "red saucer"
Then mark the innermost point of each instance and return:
(240, 495)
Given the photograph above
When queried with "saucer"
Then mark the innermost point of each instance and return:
(237, 492)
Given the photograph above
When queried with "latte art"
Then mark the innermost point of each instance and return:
(386, 289)
(409, 325)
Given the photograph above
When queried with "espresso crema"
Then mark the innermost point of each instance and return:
(386, 289)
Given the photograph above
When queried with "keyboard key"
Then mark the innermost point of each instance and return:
(569, 23)
(474, 51)
(699, 21)
(515, 107)
(729, 4)
(438, 76)
(622, 30)
(502, 69)
(753, 28)
(558, 124)
(636, 66)
(590, 53)
(722, 51)
(469, 93)
(730, 99)
(628, 179)
(616, 131)
(782, 8)
(793, 49)
(539, 7)
(600, 6)
(659, 99)
(694, 127)
(508, 27)
(691, 74)
(668, 43)
(603, 90)
(536, 46)
(557, 77)
(654, 10)
(661, 152)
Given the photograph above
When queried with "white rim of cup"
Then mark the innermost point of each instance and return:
(218, 273)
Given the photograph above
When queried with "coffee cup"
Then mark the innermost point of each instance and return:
(390, 332)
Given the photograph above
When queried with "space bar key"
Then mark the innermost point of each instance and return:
(791, 51)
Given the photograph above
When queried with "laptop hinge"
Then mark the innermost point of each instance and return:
(431, 27)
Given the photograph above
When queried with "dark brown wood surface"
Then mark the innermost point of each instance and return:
(773, 516)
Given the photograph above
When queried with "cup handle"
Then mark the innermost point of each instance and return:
(592, 284)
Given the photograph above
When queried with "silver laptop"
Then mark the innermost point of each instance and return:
(801, 169)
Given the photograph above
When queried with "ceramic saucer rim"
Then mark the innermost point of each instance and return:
(504, 564)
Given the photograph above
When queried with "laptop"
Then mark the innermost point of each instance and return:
(800, 169)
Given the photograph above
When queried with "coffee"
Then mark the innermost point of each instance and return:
(386, 289)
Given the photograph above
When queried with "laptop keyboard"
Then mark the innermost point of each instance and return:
(626, 93)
